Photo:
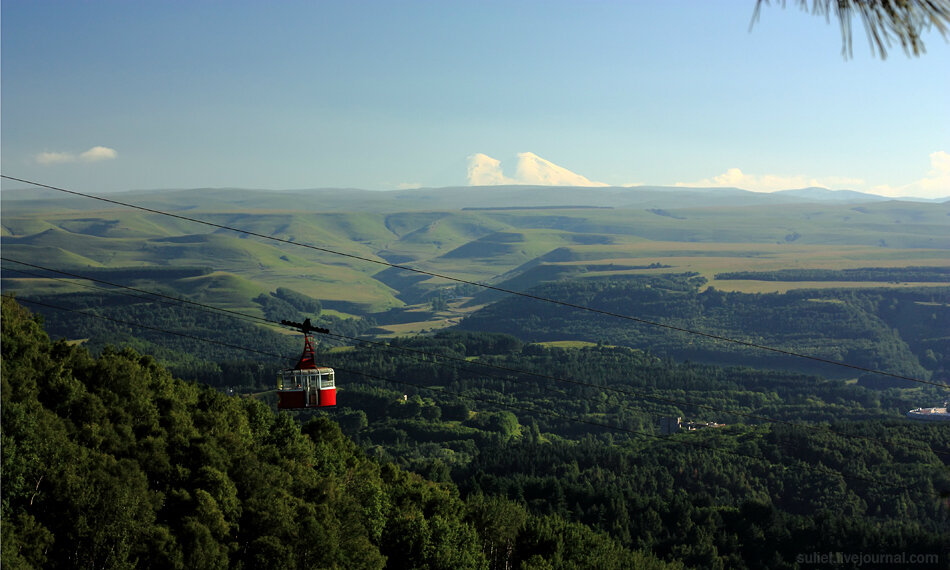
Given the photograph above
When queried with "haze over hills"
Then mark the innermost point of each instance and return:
(826, 195)
(448, 198)
(533, 181)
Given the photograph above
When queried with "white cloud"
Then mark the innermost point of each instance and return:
(735, 178)
(935, 185)
(531, 169)
(98, 153)
(94, 154)
(55, 157)
(408, 185)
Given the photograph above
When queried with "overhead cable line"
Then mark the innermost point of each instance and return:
(468, 363)
(819, 468)
(490, 287)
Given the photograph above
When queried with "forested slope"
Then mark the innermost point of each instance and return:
(110, 462)
(900, 331)
(574, 433)
(176, 334)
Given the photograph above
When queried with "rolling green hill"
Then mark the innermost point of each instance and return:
(516, 237)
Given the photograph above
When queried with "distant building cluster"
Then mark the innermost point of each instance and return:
(670, 425)
(931, 414)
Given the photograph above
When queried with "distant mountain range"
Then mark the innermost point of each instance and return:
(454, 198)
(826, 195)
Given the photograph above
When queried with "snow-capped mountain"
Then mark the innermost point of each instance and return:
(530, 169)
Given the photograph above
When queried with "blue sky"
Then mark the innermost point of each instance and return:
(105, 96)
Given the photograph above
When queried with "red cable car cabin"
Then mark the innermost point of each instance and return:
(306, 385)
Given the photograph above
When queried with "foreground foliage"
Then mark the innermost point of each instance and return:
(110, 462)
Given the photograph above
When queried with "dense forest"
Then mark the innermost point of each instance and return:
(110, 462)
(885, 274)
(529, 456)
(192, 342)
(575, 433)
(899, 330)
(477, 449)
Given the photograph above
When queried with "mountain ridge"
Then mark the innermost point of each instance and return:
(449, 198)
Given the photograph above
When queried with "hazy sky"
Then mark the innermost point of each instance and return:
(114, 95)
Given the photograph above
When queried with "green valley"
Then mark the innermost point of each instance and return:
(474, 428)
